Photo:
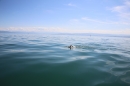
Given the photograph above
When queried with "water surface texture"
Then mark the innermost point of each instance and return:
(45, 60)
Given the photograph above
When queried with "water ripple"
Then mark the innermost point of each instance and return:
(95, 61)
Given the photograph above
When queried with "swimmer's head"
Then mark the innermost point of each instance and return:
(71, 46)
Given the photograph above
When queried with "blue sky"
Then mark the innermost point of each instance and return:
(72, 16)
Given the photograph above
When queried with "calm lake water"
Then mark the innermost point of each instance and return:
(45, 60)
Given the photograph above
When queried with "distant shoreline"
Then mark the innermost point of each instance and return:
(78, 34)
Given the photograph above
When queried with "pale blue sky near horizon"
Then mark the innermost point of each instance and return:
(98, 16)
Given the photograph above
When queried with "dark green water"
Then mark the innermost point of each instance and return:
(44, 60)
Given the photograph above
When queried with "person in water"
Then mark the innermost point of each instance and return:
(71, 46)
